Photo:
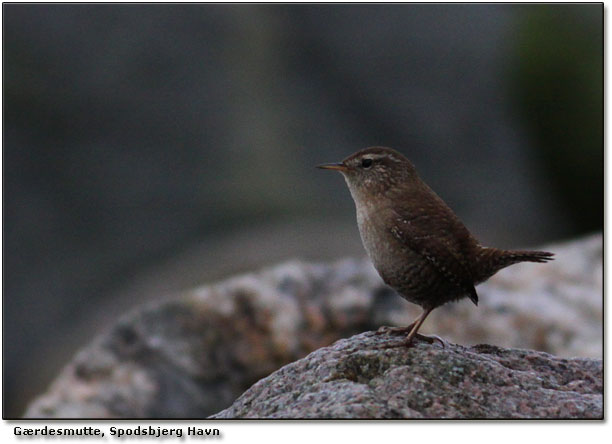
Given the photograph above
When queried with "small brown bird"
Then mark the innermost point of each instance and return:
(415, 241)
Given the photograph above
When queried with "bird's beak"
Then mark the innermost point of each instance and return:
(333, 166)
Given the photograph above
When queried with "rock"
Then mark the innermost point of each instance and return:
(356, 378)
(194, 355)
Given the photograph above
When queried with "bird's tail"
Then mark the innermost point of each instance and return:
(512, 257)
(492, 259)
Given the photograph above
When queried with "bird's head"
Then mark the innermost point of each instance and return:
(374, 170)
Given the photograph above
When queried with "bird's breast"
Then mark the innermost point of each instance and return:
(380, 244)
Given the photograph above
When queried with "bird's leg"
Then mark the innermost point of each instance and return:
(414, 328)
(417, 325)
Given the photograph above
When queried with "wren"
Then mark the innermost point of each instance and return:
(415, 241)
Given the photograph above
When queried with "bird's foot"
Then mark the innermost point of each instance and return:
(410, 342)
(431, 339)
(384, 330)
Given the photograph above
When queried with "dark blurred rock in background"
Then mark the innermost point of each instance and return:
(145, 138)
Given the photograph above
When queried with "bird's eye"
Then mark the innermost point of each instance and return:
(366, 163)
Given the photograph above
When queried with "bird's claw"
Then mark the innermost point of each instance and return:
(385, 330)
(431, 339)
(404, 343)
(410, 343)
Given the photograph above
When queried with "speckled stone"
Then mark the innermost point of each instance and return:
(357, 378)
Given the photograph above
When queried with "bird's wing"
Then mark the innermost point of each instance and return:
(438, 250)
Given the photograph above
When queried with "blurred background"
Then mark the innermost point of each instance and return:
(151, 148)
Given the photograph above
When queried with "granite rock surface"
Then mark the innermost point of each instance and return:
(359, 378)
